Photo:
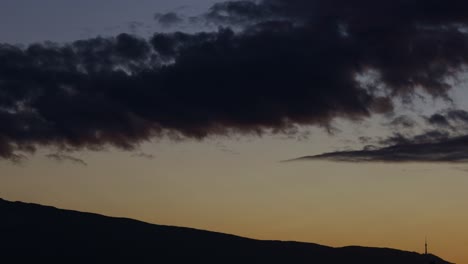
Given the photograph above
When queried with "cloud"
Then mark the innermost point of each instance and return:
(63, 158)
(450, 150)
(460, 116)
(237, 13)
(455, 120)
(403, 122)
(438, 120)
(445, 140)
(135, 26)
(143, 156)
(225, 149)
(168, 19)
(295, 62)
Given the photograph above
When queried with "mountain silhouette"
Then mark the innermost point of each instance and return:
(31, 233)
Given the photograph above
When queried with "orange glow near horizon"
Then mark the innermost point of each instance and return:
(252, 195)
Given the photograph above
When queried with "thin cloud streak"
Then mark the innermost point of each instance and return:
(446, 141)
(143, 156)
(449, 151)
(58, 157)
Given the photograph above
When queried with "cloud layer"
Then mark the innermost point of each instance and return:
(446, 140)
(449, 150)
(294, 62)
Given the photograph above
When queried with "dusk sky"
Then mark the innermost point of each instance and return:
(183, 112)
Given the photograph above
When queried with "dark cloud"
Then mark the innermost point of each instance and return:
(168, 19)
(66, 158)
(445, 140)
(438, 120)
(449, 150)
(403, 121)
(238, 13)
(365, 140)
(297, 63)
(455, 120)
(460, 116)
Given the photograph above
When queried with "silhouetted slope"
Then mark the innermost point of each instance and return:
(32, 233)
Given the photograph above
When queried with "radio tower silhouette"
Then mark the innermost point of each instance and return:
(425, 246)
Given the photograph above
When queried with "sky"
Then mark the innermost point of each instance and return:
(106, 109)
(27, 21)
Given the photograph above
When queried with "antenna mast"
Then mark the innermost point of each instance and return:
(425, 246)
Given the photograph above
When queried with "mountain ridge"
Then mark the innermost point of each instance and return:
(31, 231)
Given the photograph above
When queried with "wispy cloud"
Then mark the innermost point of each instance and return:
(66, 158)
(143, 155)
(445, 140)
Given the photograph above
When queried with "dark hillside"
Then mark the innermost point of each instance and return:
(32, 233)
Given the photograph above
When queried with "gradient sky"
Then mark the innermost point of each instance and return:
(237, 184)
(27, 21)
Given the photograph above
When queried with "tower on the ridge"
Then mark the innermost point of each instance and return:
(425, 246)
